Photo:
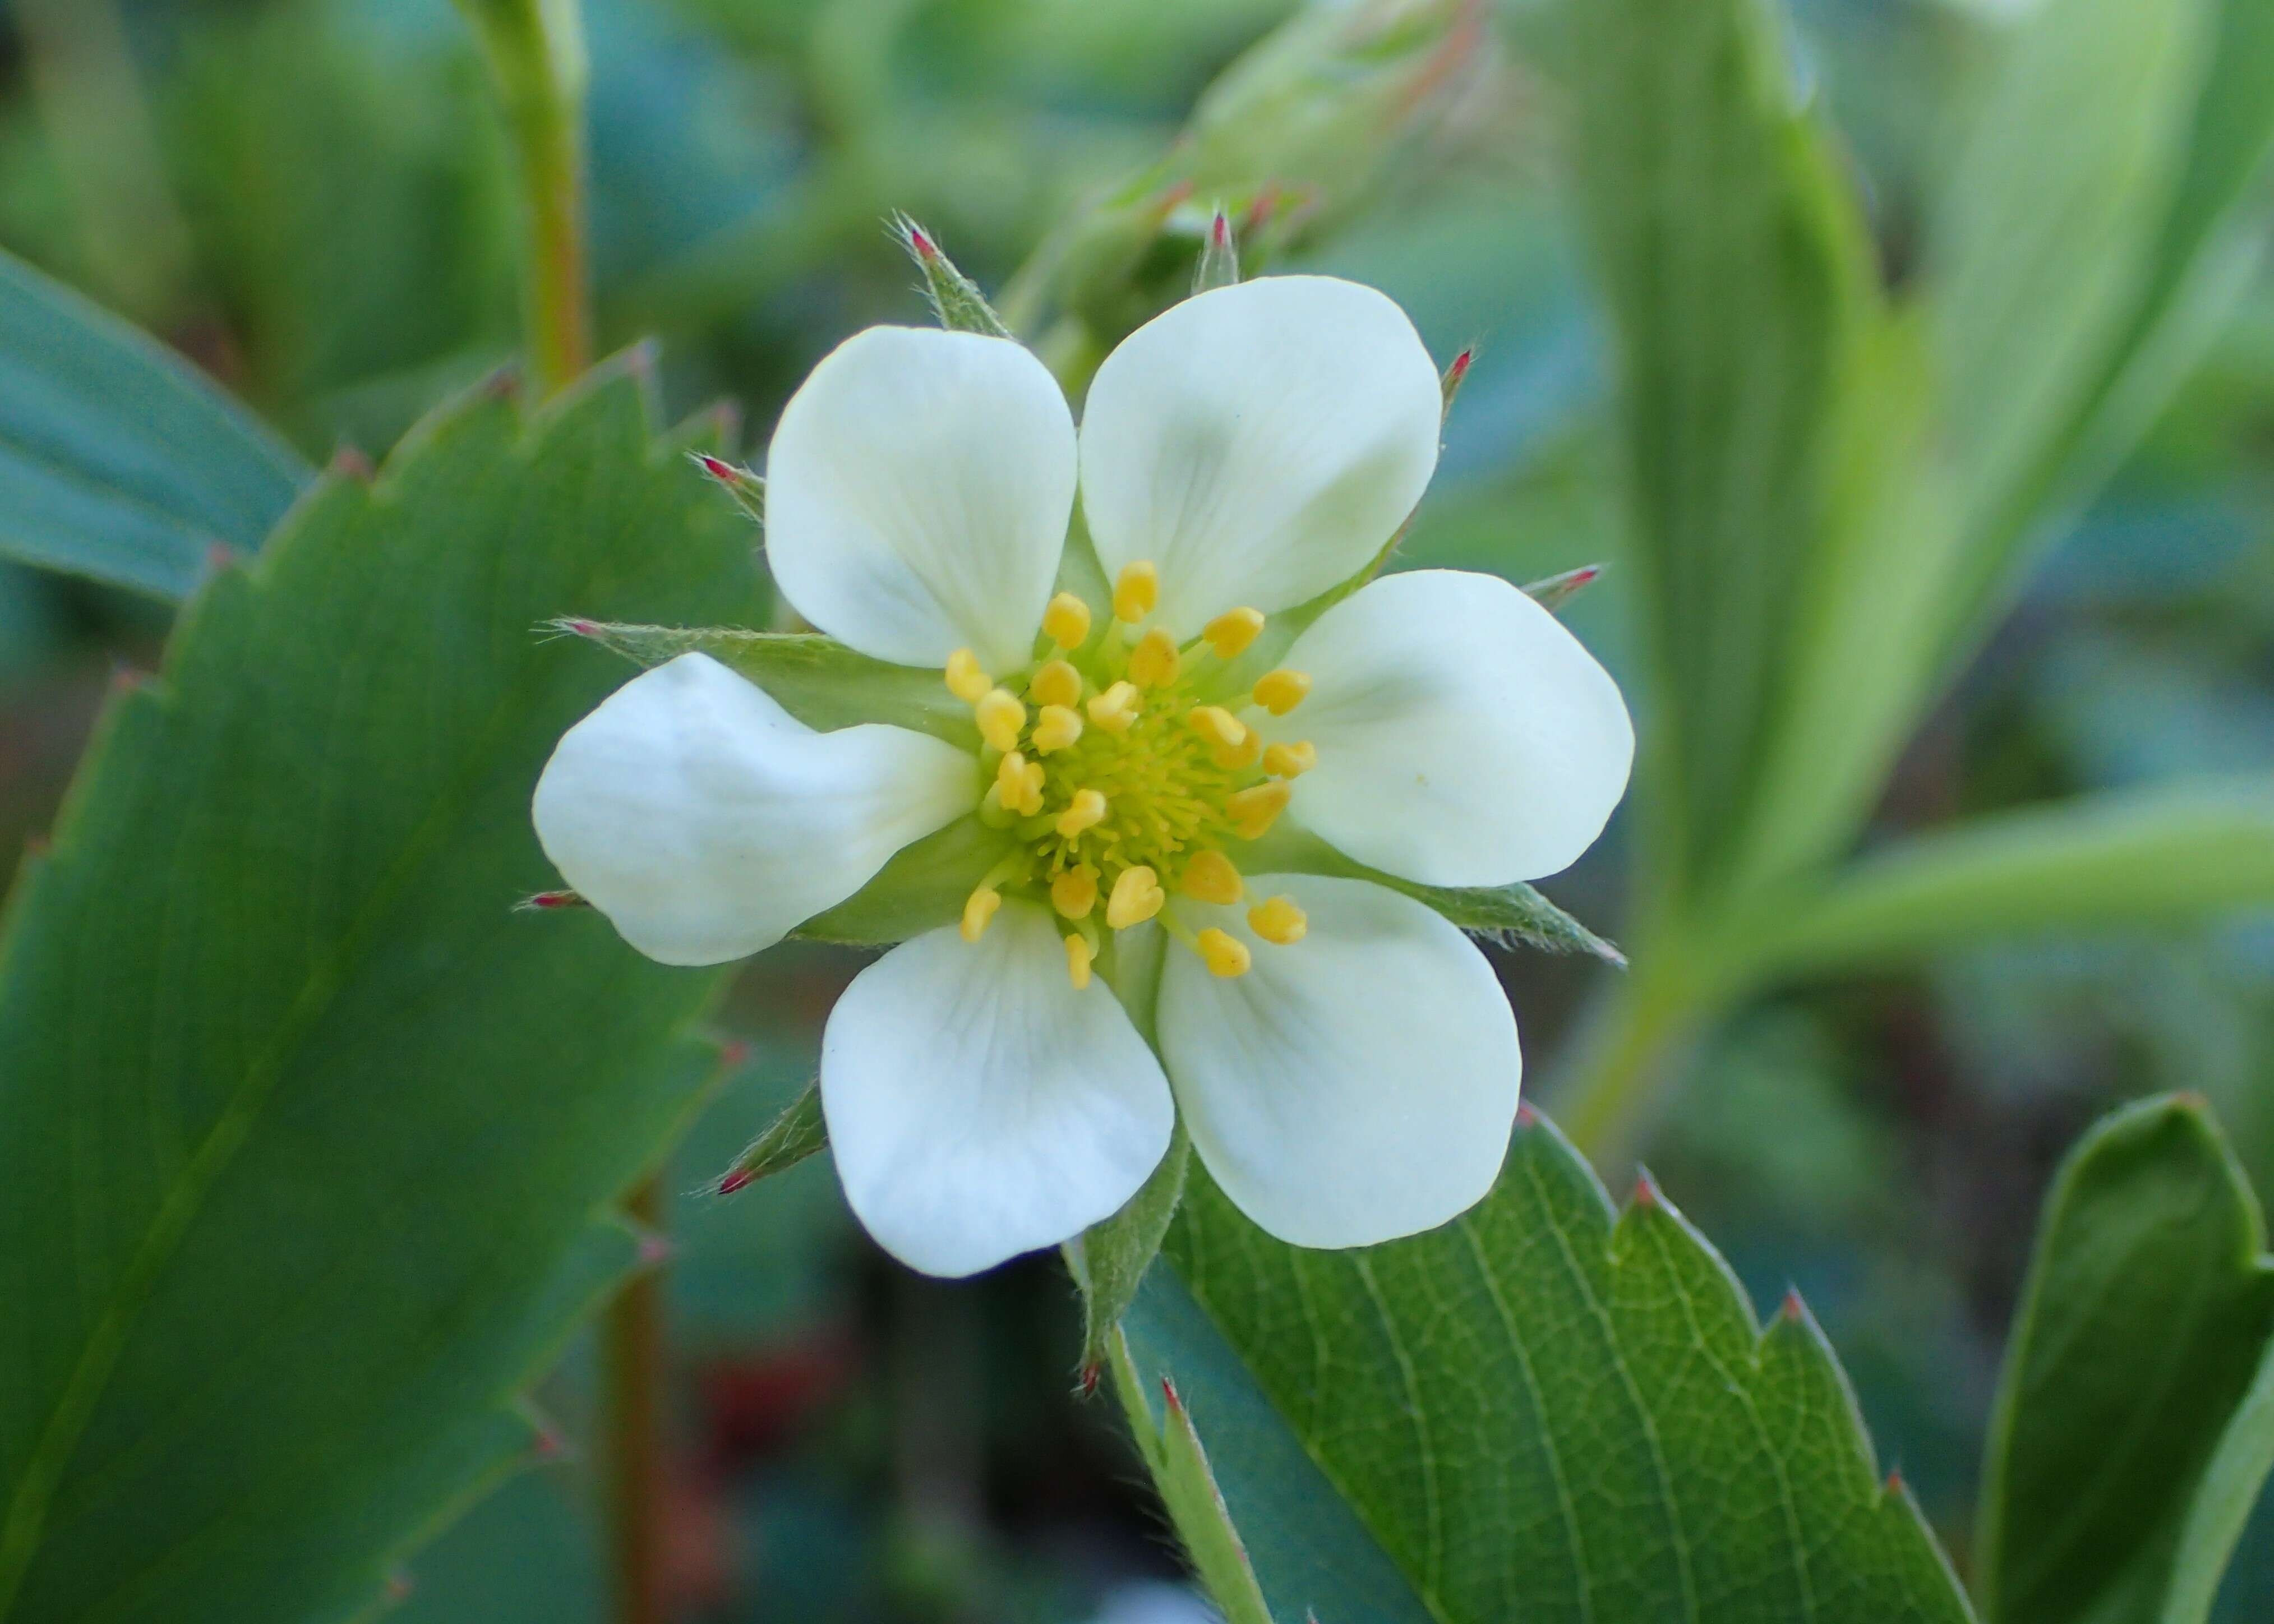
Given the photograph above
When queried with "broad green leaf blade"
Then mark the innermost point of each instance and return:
(2148, 1308)
(1546, 1409)
(2162, 855)
(307, 1138)
(2222, 1501)
(1740, 282)
(117, 461)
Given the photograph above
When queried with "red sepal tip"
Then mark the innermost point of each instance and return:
(1220, 230)
(1169, 1391)
(1461, 364)
(717, 468)
(921, 243)
(1090, 1374)
(1791, 1308)
(739, 1179)
(1526, 1116)
(1645, 1190)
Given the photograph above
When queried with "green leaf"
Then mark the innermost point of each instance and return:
(2148, 1308)
(118, 460)
(817, 680)
(1541, 1411)
(307, 1138)
(1110, 1259)
(2168, 855)
(2222, 1501)
(1741, 283)
(788, 1140)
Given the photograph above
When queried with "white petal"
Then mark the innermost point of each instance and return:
(707, 823)
(1356, 1085)
(979, 1107)
(917, 493)
(1464, 737)
(1259, 443)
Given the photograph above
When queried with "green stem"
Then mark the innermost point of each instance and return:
(536, 51)
(1630, 1054)
(633, 1360)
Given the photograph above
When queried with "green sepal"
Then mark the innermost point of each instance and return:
(955, 298)
(920, 889)
(1507, 913)
(788, 1140)
(1108, 1259)
(817, 680)
(1553, 591)
(1218, 265)
(747, 490)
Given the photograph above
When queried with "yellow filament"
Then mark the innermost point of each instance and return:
(1279, 920)
(1116, 709)
(1136, 591)
(1223, 954)
(979, 912)
(1079, 954)
(1281, 691)
(1230, 632)
(1237, 756)
(1218, 725)
(967, 679)
(1291, 761)
(1086, 810)
(1000, 717)
(1057, 683)
(1255, 808)
(1210, 877)
(1153, 662)
(1058, 727)
(1067, 622)
(1137, 896)
(1074, 892)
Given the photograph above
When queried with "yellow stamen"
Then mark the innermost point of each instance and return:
(1031, 802)
(1217, 726)
(1000, 717)
(1137, 590)
(967, 679)
(1074, 892)
(1254, 809)
(1153, 662)
(1067, 622)
(1279, 920)
(1281, 691)
(1230, 632)
(1057, 683)
(1086, 810)
(1058, 727)
(1210, 877)
(1223, 954)
(1240, 756)
(1079, 954)
(1010, 781)
(1291, 761)
(1116, 709)
(1137, 896)
(979, 911)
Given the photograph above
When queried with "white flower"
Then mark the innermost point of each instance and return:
(1345, 1058)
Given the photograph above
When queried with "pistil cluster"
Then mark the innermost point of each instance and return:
(1126, 763)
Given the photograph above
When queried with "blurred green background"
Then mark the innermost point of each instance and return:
(311, 198)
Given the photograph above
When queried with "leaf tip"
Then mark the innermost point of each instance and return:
(1896, 1484)
(351, 463)
(400, 1584)
(1792, 1308)
(655, 1249)
(1169, 1391)
(126, 678)
(1526, 1118)
(1647, 1195)
(546, 901)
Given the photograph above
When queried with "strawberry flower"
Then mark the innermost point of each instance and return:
(1176, 707)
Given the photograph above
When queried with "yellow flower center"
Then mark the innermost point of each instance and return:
(1126, 769)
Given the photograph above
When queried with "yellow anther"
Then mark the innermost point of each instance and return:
(1210, 877)
(1240, 756)
(1224, 954)
(1010, 781)
(1031, 802)
(1057, 683)
(1079, 954)
(1281, 691)
(1067, 622)
(979, 911)
(1116, 709)
(1000, 717)
(1279, 920)
(1074, 892)
(1137, 590)
(1291, 761)
(1058, 726)
(1086, 810)
(1153, 662)
(1137, 896)
(966, 678)
(1257, 808)
(1217, 726)
(1230, 632)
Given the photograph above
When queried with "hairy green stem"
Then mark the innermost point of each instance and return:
(1630, 1053)
(536, 51)
(633, 1361)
